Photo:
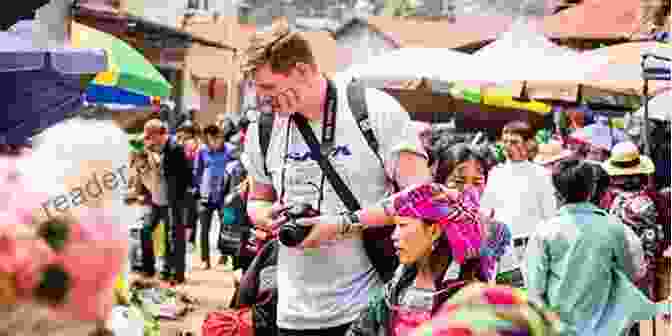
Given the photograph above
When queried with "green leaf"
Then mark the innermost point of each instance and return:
(55, 232)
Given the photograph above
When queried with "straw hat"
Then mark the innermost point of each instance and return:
(551, 152)
(626, 160)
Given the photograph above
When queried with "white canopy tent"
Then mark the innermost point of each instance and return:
(438, 64)
(523, 54)
(660, 107)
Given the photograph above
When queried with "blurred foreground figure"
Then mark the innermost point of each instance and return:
(57, 273)
(486, 310)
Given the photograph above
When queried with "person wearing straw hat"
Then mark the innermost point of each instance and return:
(551, 153)
(633, 204)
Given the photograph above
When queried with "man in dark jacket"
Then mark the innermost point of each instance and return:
(174, 180)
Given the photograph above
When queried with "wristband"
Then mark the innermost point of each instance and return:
(349, 225)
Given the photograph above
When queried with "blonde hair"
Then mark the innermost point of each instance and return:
(280, 48)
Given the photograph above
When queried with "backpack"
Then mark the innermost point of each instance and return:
(377, 241)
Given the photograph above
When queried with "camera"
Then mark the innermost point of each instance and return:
(291, 233)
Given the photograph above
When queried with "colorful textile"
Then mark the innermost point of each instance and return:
(471, 234)
(481, 309)
(497, 240)
(459, 220)
(638, 211)
(399, 307)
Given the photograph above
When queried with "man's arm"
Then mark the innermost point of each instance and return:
(405, 162)
(401, 149)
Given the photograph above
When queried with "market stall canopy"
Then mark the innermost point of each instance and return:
(461, 32)
(618, 71)
(405, 64)
(595, 19)
(129, 71)
(41, 86)
(522, 53)
(660, 107)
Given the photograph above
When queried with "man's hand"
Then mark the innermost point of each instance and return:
(325, 228)
(289, 100)
(330, 227)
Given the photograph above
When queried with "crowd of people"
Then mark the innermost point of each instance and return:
(562, 237)
(183, 177)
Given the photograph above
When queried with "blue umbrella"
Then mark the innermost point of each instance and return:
(40, 87)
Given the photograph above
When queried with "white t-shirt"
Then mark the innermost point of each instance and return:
(328, 286)
(523, 196)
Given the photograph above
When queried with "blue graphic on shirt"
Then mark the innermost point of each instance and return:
(305, 154)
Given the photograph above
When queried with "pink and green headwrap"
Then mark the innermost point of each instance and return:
(482, 309)
(459, 219)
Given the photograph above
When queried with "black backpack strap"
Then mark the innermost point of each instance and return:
(360, 111)
(265, 123)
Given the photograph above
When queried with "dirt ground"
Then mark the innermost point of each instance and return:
(213, 290)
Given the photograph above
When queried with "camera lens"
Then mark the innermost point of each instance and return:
(291, 234)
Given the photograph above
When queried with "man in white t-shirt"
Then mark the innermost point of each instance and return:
(324, 288)
(520, 192)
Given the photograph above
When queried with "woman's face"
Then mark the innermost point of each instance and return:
(516, 148)
(471, 172)
(413, 239)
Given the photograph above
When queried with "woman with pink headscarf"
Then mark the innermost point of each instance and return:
(434, 227)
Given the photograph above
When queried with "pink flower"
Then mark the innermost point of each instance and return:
(91, 268)
(89, 254)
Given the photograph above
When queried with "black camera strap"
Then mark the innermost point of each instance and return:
(321, 153)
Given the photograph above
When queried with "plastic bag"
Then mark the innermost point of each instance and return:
(232, 322)
(127, 322)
